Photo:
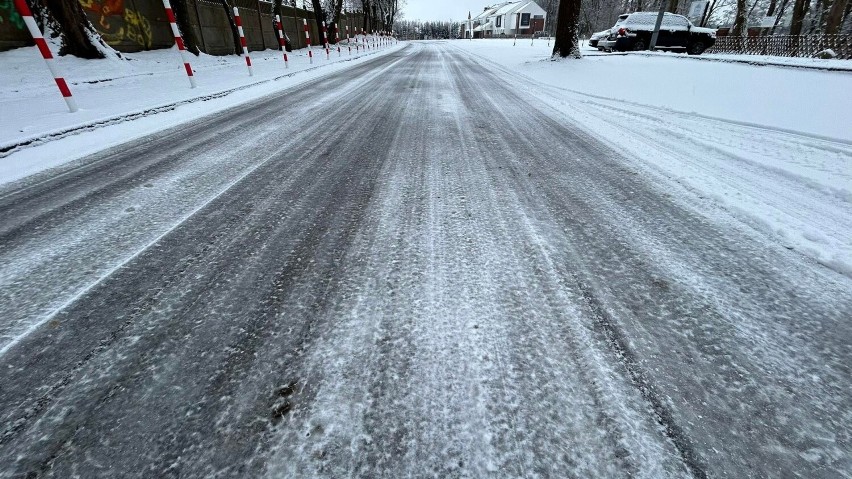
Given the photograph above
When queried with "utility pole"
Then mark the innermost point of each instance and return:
(656, 33)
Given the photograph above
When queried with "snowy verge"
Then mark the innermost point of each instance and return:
(783, 168)
(145, 85)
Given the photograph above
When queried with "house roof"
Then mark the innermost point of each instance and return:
(510, 8)
(488, 11)
(506, 8)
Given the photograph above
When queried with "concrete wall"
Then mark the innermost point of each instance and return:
(130, 25)
(136, 25)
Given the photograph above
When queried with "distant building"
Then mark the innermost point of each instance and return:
(506, 19)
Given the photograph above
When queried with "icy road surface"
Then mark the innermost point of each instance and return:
(429, 275)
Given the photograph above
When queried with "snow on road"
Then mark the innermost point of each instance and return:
(762, 144)
(464, 274)
(86, 249)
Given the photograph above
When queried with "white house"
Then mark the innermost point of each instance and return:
(523, 17)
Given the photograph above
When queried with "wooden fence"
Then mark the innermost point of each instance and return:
(786, 45)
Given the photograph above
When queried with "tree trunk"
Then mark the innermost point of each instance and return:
(181, 11)
(739, 28)
(816, 19)
(567, 40)
(799, 10)
(835, 17)
(770, 11)
(781, 9)
(319, 17)
(367, 12)
(68, 21)
(235, 34)
(335, 21)
(673, 4)
(707, 12)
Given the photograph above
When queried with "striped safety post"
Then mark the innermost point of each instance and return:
(308, 40)
(282, 40)
(239, 23)
(348, 43)
(337, 37)
(325, 41)
(24, 11)
(179, 42)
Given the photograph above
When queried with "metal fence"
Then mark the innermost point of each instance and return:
(786, 45)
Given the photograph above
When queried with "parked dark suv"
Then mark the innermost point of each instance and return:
(676, 33)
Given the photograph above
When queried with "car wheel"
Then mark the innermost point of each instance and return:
(696, 48)
(639, 45)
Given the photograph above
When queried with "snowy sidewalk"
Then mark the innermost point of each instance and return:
(112, 91)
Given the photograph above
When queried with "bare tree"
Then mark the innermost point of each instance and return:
(567, 39)
(181, 11)
(834, 18)
(67, 20)
(800, 8)
(740, 21)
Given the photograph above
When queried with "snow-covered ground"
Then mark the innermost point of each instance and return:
(134, 96)
(767, 145)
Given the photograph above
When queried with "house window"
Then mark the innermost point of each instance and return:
(525, 19)
(500, 21)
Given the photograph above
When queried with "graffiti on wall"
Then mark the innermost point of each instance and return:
(117, 24)
(9, 15)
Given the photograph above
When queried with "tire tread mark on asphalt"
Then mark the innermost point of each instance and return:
(241, 354)
(288, 277)
(35, 407)
(618, 343)
(117, 176)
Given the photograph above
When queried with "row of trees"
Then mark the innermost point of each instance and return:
(418, 30)
(794, 17)
(66, 20)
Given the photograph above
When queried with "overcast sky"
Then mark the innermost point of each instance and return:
(443, 9)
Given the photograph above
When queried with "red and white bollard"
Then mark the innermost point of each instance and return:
(308, 41)
(24, 11)
(179, 42)
(337, 38)
(325, 41)
(239, 23)
(282, 41)
(348, 42)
